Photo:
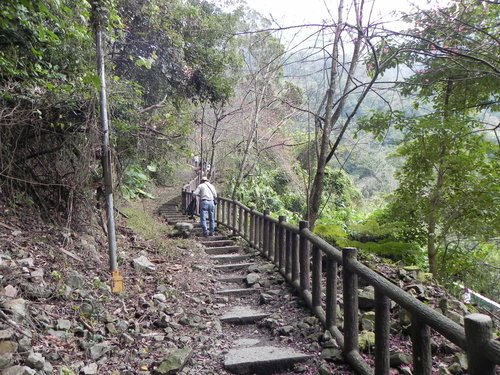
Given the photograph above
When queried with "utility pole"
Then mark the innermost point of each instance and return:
(117, 279)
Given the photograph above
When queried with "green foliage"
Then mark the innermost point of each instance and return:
(334, 234)
(449, 173)
(188, 49)
(39, 38)
(372, 237)
(454, 47)
(475, 265)
(268, 189)
(339, 200)
(135, 182)
(408, 253)
(370, 228)
(447, 180)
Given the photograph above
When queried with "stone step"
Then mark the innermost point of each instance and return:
(262, 359)
(233, 266)
(239, 278)
(228, 259)
(214, 238)
(169, 209)
(217, 243)
(239, 292)
(169, 213)
(173, 222)
(198, 231)
(180, 218)
(243, 315)
(222, 250)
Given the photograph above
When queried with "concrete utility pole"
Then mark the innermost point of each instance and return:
(117, 279)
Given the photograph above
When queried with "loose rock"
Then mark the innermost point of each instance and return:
(35, 360)
(90, 369)
(143, 264)
(174, 361)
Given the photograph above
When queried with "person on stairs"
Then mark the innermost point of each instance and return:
(208, 196)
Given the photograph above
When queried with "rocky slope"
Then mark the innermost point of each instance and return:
(58, 315)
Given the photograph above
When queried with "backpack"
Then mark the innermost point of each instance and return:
(191, 208)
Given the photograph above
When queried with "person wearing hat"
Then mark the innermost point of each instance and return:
(208, 195)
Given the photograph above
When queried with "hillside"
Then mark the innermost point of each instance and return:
(58, 315)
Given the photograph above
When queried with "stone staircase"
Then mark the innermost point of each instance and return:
(254, 350)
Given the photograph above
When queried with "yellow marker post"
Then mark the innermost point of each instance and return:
(117, 282)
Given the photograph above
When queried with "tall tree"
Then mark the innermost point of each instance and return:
(447, 184)
(264, 111)
(345, 91)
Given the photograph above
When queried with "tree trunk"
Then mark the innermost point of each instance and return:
(331, 117)
(431, 245)
(254, 126)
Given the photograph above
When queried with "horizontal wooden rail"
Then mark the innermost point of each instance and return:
(299, 255)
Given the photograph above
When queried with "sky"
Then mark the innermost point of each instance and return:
(290, 12)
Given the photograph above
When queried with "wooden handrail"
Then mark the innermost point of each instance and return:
(293, 249)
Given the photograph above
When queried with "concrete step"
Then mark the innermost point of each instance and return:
(222, 250)
(217, 243)
(233, 266)
(243, 315)
(180, 218)
(237, 278)
(173, 222)
(229, 259)
(169, 209)
(239, 292)
(262, 359)
(214, 238)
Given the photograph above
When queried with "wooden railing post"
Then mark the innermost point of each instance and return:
(235, 230)
(295, 259)
(252, 227)
(272, 240)
(382, 325)
(217, 209)
(265, 247)
(184, 200)
(257, 231)
(245, 227)
(223, 210)
(260, 241)
(421, 347)
(316, 277)
(478, 332)
(276, 236)
(281, 247)
(305, 274)
(331, 292)
(288, 255)
(240, 221)
(350, 296)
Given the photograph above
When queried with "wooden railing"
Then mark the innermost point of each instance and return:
(299, 255)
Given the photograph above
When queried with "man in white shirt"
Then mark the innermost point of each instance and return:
(207, 193)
